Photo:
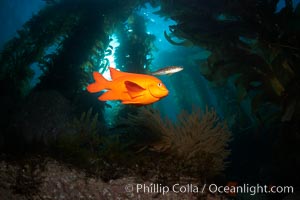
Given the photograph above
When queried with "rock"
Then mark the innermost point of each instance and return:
(61, 182)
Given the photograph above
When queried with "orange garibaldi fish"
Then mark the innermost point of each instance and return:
(130, 88)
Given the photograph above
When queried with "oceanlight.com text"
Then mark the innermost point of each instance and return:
(250, 189)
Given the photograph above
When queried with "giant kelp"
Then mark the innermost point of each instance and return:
(28, 47)
(134, 52)
(67, 40)
(249, 42)
(80, 32)
(249, 39)
(81, 50)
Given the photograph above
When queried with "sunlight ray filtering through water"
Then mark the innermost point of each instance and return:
(114, 43)
(156, 25)
(112, 107)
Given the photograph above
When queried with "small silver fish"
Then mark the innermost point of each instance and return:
(167, 70)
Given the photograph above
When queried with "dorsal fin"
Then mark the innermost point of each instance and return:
(115, 73)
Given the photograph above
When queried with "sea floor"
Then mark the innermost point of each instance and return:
(59, 181)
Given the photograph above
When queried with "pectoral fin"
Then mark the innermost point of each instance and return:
(133, 89)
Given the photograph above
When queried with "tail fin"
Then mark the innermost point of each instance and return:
(100, 83)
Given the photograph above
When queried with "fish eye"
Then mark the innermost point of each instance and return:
(159, 84)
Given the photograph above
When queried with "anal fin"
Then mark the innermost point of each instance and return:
(109, 95)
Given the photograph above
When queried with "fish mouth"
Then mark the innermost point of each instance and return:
(166, 92)
(162, 93)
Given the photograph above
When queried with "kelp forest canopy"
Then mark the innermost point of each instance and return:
(249, 42)
(251, 70)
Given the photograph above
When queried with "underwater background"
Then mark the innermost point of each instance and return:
(231, 116)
